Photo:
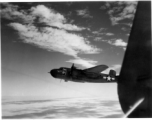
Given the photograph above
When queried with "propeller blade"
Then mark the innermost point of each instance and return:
(71, 70)
(72, 66)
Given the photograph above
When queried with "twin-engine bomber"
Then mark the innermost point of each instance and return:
(92, 75)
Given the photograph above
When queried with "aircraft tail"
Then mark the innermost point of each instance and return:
(112, 73)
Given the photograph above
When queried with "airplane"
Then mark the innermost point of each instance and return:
(92, 75)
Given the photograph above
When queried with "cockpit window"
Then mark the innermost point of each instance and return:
(63, 71)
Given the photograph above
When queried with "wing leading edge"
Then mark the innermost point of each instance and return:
(135, 80)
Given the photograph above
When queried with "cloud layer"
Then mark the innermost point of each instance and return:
(88, 107)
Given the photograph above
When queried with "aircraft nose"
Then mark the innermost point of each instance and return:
(53, 73)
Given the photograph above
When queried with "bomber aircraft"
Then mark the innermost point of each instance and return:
(92, 75)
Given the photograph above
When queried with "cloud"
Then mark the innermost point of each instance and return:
(116, 67)
(97, 38)
(120, 10)
(84, 13)
(55, 39)
(124, 48)
(117, 42)
(11, 12)
(97, 33)
(109, 34)
(102, 31)
(53, 18)
(83, 62)
(40, 13)
(124, 29)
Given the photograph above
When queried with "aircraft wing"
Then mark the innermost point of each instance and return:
(96, 69)
(135, 80)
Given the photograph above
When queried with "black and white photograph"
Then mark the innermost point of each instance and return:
(76, 59)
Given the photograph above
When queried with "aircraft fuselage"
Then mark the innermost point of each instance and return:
(78, 75)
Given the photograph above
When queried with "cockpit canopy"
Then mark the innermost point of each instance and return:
(62, 71)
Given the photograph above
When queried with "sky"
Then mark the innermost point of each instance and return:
(40, 36)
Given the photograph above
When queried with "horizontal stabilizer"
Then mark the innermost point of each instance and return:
(96, 69)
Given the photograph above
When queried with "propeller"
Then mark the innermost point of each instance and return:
(72, 68)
